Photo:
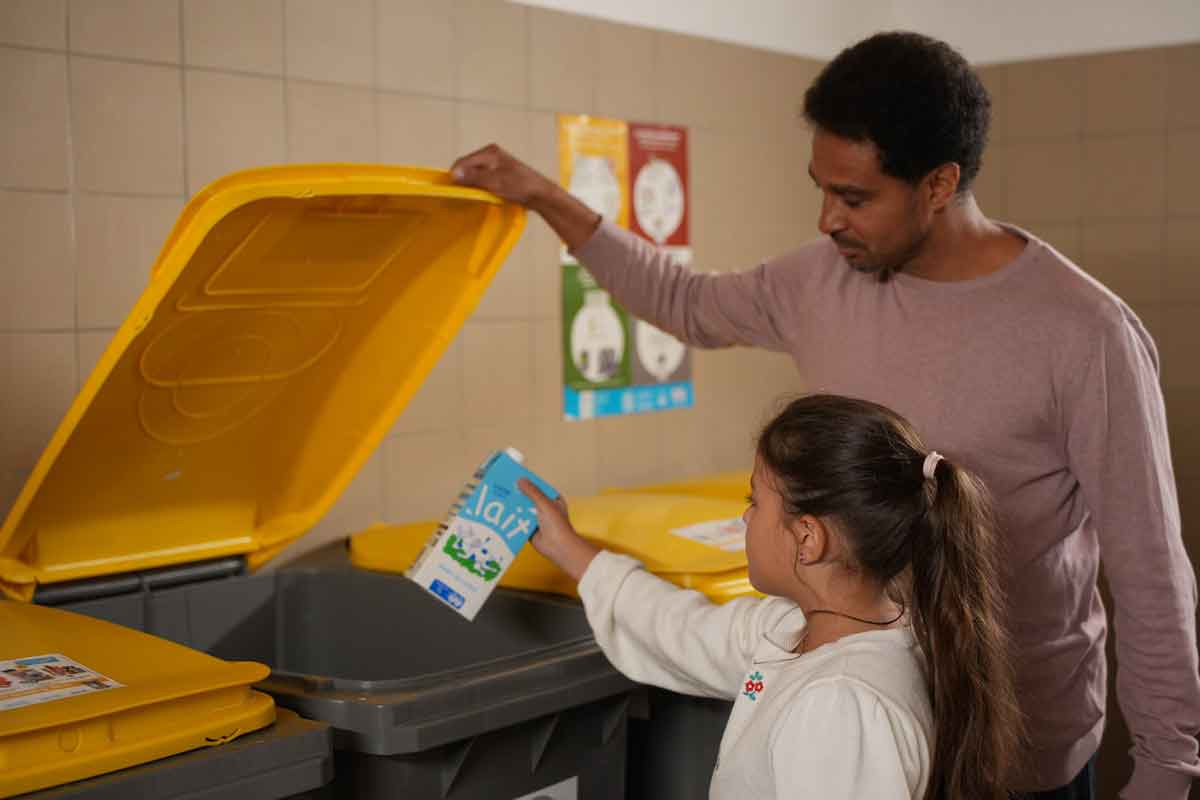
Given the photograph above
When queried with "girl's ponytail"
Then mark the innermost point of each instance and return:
(957, 608)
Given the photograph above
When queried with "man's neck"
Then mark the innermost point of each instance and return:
(964, 244)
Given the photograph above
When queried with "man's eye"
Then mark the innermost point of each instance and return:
(854, 202)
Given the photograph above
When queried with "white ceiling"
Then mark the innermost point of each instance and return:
(986, 32)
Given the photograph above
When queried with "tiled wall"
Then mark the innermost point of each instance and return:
(114, 112)
(1100, 155)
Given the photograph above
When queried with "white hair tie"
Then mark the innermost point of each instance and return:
(929, 468)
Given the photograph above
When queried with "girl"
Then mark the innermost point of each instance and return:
(877, 667)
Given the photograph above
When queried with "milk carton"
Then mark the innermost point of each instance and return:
(486, 527)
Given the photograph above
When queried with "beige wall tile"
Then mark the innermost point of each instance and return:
(547, 370)
(1177, 346)
(699, 82)
(90, 345)
(543, 248)
(491, 42)
(510, 294)
(360, 506)
(543, 143)
(1045, 98)
(330, 41)
(497, 370)
(330, 123)
(438, 404)
(483, 440)
(119, 239)
(1126, 92)
(624, 70)
(562, 64)
(1183, 172)
(242, 35)
(479, 125)
(564, 453)
(1182, 280)
(1127, 257)
(141, 29)
(38, 373)
(37, 286)
(1044, 180)
(417, 130)
(995, 80)
(233, 122)
(777, 84)
(34, 23)
(991, 184)
(1183, 76)
(415, 47)
(127, 127)
(1124, 176)
(1065, 237)
(33, 102)
(628, 450)
(423, 473)
(686, 447)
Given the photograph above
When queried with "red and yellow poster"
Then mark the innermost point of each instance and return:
(633, 175)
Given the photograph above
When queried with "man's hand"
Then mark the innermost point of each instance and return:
(555, 537)
(494, 169)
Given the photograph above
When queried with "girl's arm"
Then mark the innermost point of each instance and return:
(651, 630)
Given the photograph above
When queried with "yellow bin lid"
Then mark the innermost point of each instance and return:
(125, 698)
(652, 527)
(291, 315)
(733, 485)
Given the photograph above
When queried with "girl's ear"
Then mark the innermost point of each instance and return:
(812, 538)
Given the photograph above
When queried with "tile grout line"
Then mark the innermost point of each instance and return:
(188, 190)
(73, 195)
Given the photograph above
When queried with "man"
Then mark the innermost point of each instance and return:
(1005, 355)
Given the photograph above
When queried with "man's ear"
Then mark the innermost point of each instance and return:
(942, 185)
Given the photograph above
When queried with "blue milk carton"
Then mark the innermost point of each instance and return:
(486, 527)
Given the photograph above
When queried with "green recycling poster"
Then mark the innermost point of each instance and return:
(635, 176)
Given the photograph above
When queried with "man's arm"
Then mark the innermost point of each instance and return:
(1119, 452)
(705, 310)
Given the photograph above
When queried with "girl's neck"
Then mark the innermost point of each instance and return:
(843, 609)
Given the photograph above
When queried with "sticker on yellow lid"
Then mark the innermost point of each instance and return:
(42, 679)
(724, 534)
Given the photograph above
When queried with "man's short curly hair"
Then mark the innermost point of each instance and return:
(915, 98)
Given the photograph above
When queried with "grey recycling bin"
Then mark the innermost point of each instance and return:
(519, 703)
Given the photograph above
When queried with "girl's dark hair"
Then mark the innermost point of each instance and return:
(915, 98)
(933, 544)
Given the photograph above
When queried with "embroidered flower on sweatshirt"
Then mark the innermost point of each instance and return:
(753, 686)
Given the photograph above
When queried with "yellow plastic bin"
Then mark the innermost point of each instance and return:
(693, 541)
(292, 314)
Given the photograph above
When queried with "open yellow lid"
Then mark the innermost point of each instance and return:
(665, 532)
(291, 315)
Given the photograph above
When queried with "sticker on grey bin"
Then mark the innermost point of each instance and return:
(566, 790)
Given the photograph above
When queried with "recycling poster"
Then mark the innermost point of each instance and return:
(634, 175)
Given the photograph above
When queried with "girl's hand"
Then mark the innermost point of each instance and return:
(555, 538)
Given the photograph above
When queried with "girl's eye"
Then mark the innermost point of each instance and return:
(749, 499)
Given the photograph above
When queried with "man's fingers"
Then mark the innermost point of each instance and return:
(469, 167)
